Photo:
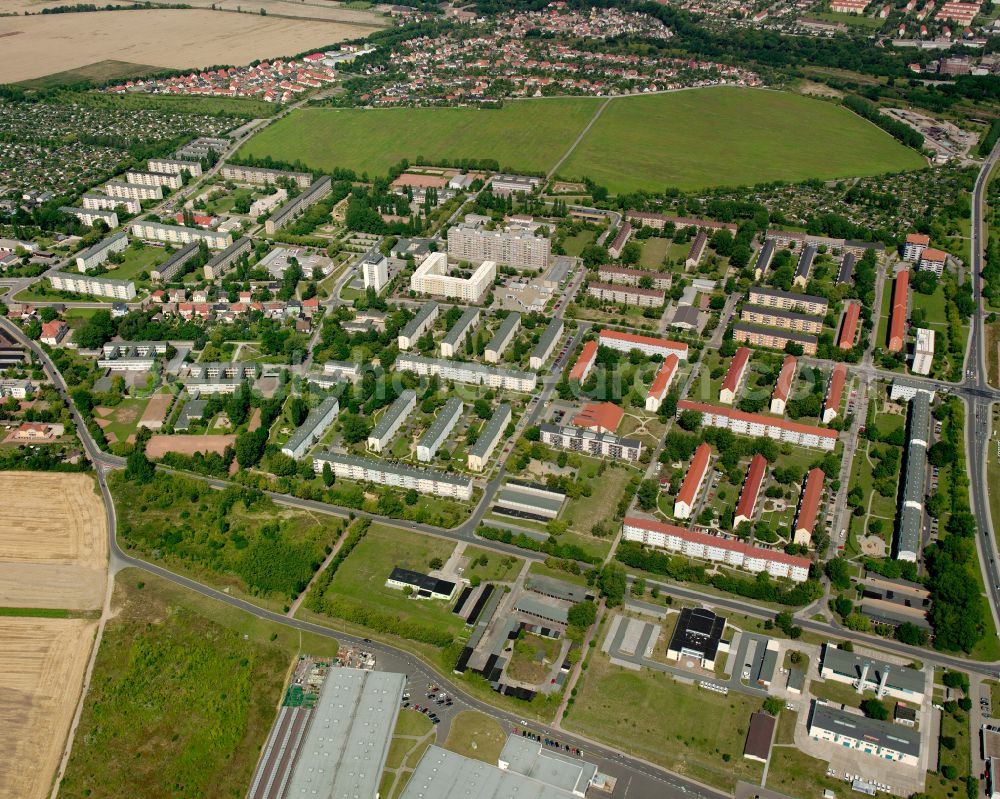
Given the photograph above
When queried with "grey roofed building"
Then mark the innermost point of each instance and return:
(852, 665)
(806, 262)
(529, 758)
(549, 611)
(193, 409)
(441, 774)
(169, 268)
(557, 589)
(764, 258)
(796, 680)
(491, 431)
(418, 248)
(401, 470)
(100, 247)
(312, 428)
(345, 745)
(854, 244)
(549, 336)
(911, 514)
(316, 192)
(780, 332)
(422, 582)
(438, 430)
(459, 330)
(411, 327)
(686, 317)
(759, 736)
(548, 506)
(846, 272)
(504, 333)
(878, 733)
(221, 262)
(390, 417)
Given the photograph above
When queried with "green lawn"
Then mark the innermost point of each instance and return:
(496, 568)
(183, 695)
(530, 135)
(654, 250)
(607, 489)
(137, 260)
(730, 136)
(934, 306)
(533, 658)
(574, 244)
(476, 735)
(685, 729)
(690, 139)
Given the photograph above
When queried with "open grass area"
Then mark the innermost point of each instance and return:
(729, 136)
(476, 735)
(533, 657)
(182, 697)
(541, 569)
(681, 727)
(530, 135)
(794, 773)
(599, 508)
(952, 726)
(654, 250)
(574, 245)
(689, 139)
(490, 566)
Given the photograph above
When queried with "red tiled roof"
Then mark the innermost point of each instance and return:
(809, 506)
(605, 415)
(736, 368)
(783, 386)
(751, 486)
(755, 418)
(918, 238)
(587, 355)
(930, 254)
(836, 389)
(664, 376)
(897, 324)
(692, 480)
(632, 338)
(733, 545)
(849, 328)
(52, 329)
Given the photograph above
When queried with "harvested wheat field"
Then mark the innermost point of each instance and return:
(172, 38)
(53, 542)
(158, 446)
(42, 662)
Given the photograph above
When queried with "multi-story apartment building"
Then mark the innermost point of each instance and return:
(502, 338)
(715, 549)
(467, 372)
(764, 258)
(923, 351)
(177, 234)
(89, 216)
(103, 201)
(98, 286)
(932, 260)
(224, 261)
(170, 268)
(626, 342)
(898, 314)
(788, 320)
(418, 325)
(369, 470)
(434, 276)
(439, 429)
(755, 424)
(297, 205)
(546, 344)
(453, 339)
(98, 253)
(174, 166)
(915, 244)
(263, 177)
(910, 519)
(375, 271)
(694, 479)
(772, 337)
(734, 376)
(849, 326)
(660, 221)
(171, 180)
(584, 363)
(750, 493)
(626, 295)
(489, 437)
(808, 511)
(589, 442)
(621, 239)
(697, 250)
(783, 385)
(202, 147)
(522, 249)
(834, 393)
(804, 266)
(623, 276)
(131, 356)
(392, 420)
(312, 429)
(220, 377)
(346, 370)
(661, 383)
(133, 191)
(788, 301)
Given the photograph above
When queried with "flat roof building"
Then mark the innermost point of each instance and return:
(489, 437)
(312, 429)
(520, 248)
(418, 325)
(178, 234)
(375, 271)
(170, 268)
(530, 758)
(89, 216)
(923, 351)
(93, 200)
(98, 253)
(98, 286)
(424, 586)
(911, 513)
(864, 673)
(261, 176)
(697, 635)
(881, 739)
(546, 344)
(467, 372)
(392, 420)
(435, 276)
(297, 205)
(439, 430)
(224, 261)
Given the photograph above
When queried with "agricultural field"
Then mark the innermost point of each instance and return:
(183, 694)
(97, 74)
(729, 137)
(164, 38)
(53, 542)
(42, 662)
(530, 135)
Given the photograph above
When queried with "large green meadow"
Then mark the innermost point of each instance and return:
(688, 139)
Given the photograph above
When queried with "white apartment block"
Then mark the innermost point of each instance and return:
(915, 244)
(932, 260)
(546, 344)
(131, 356)
(903, 389)
(753, 424)
(105, 202)
(502, 338)
(463, 372)
(345, 369)
(177, 234)
(91, 215)
(626, 295)
(174, 166)
(98, 286)
(424, 481)
(521, 249)
(98, 253)
(590, 442)
(171, 180)
(454, 338)
(432, 277)
(489, 437)
(392, 420)
(316, 423)
(18, 389)
(418, 325)
(375, 269)
(264, 177)
(923, 352)
(715, 549)
(133, 191)
(626, 342)
(439, 430)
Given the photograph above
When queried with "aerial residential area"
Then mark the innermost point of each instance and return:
(519, 399)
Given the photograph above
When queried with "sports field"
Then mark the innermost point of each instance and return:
(688, 139)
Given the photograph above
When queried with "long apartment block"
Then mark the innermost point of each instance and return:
(424, 481)
(467, 372)
(98, 286)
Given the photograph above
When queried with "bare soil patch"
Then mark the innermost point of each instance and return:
(53, 541)
(159, 446)
(172, 38)
(42, 662)
(156, 411)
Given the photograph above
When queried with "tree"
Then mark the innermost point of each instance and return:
(909, 633)
(774, 705)
(328, 476)
(875, 709)
(436, 563)
(839, 573)
(612, 582)
(689, 420)
(942, 453)
(96, 331)
(582, 614)
(648, 493)
(138, 468)
(355, 428)
(250, 447)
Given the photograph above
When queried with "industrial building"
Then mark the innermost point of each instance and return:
(312, 429)
(546, 344)
(435, 276)
(910, 519)
(698, 635)
(454, 338)
(98, 286)
(587, 442)
(439, 430)
(392, 420)
(369, 470)
(418, 325)
(502, 338)
(467, 372)
(881, 739)
(423, 585)
(98, 253)
(489, 437)
(864, 673)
